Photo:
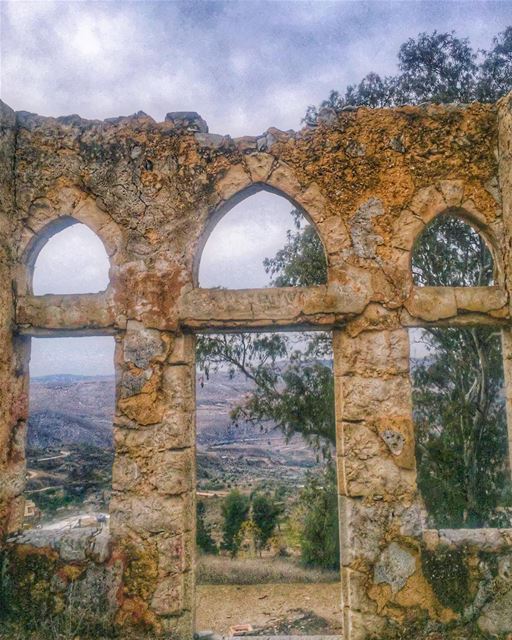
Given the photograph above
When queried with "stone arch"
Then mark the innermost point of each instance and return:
(48, 217)
(246, 190)
(446, 198)
(472, 222)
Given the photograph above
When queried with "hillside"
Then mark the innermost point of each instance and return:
(68, 410)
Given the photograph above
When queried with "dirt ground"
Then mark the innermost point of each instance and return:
(305, 609)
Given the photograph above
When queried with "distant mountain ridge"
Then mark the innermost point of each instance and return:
(75, 409)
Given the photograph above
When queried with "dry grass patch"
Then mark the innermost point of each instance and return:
(224, 570)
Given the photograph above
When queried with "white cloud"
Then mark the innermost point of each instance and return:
(253, 230)
(72, 261)
(244, 66)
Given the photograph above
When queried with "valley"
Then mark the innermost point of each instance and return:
(70, 444)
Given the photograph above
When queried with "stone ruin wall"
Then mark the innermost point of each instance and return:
(370, 180)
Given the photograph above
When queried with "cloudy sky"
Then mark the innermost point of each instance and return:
(244, 66)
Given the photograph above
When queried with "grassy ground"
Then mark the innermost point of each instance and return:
(224, 570)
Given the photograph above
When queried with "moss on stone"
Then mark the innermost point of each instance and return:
(26, 581)
(447, 571)
(141, 570)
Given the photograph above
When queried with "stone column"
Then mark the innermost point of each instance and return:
(380, 515)
(13, 382)
(153, 503)
(505, 183)
(505, 180)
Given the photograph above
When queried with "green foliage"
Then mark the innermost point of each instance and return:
(265, 513)
(296, 397)
(461, 436)
(301, 263)
(459, 412)
(451, 253)
(320, 535)
(204, 539)
(299, 400)
(496, 69)
(235, 509)
(436, 67)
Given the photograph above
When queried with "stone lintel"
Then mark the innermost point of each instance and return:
(79, 313)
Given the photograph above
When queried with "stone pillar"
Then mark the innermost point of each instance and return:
(153, 503)
(380, 515)
(505, 181)
(13, 384)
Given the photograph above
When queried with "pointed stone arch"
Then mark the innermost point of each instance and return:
(237, 197)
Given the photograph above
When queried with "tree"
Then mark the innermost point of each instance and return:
(235, 510)
(436, 67)
(296, 396)
(320, 535)
(265, 513)
(440, 68)
(496, 69)
(301, 263)
(204, 539)
(459, 411)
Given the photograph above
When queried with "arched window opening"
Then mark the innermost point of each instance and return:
(451, 253)
(73, 260)
(70, 436)
(263, 241)
(461, 426)
(267, 494)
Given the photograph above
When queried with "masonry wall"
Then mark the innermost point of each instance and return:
(370, 180)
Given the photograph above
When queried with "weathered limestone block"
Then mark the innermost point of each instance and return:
(144, 408)
(183, 350)
(432, 303)
(482, 299)
(368, 398)
(406, 229)
(453, 192)
(71, 545)
(427, 203)
(378, 477)
(259, 165)
(365, 239)
(493, 540)
(354, 587)
(81, 312)
(373, 353)
(234, 181)
(176, 431)
(143, 346)
(496, 618)
(394, 567)
(284, 179)
(135, 382)
(367, 523)
(168, 596)
(178, 384)
(150, 514)
(174, 555)
(171, 472)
